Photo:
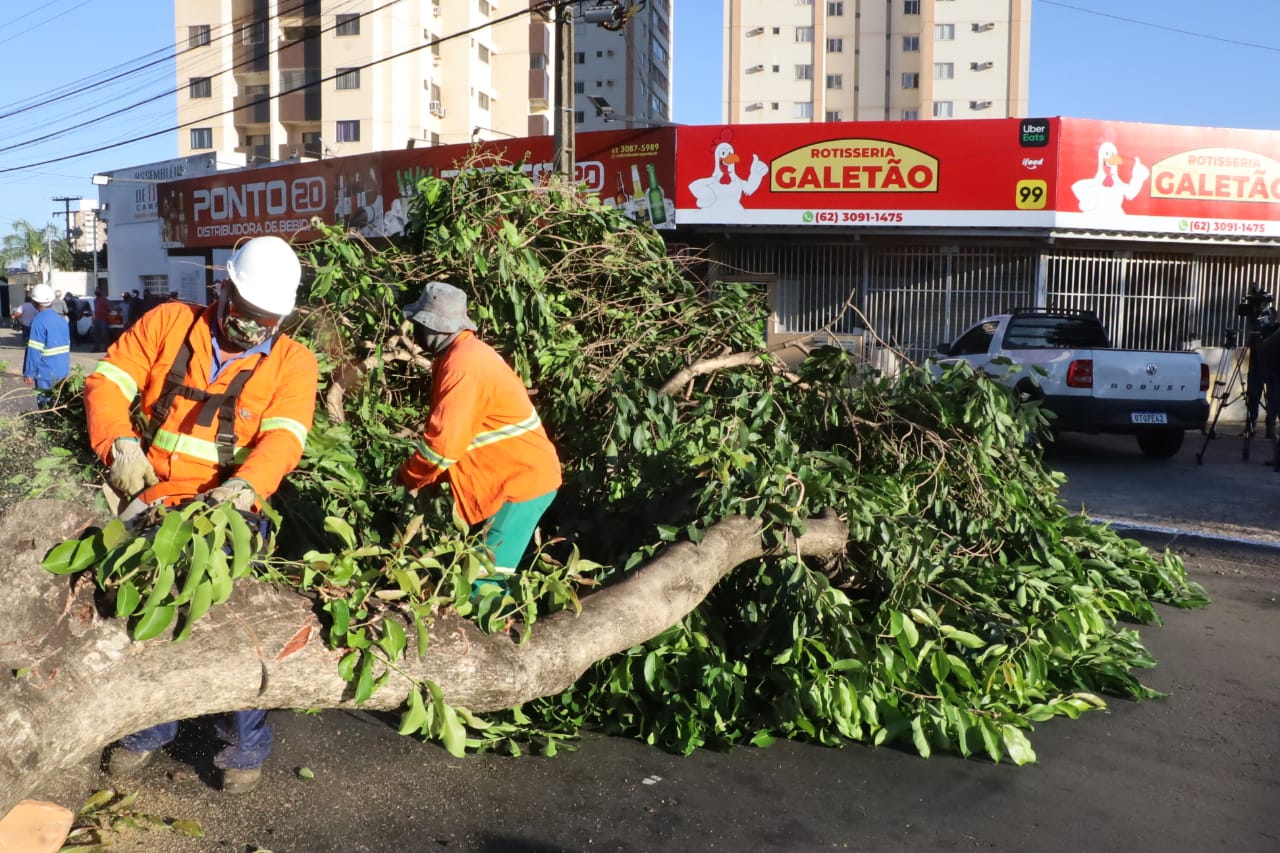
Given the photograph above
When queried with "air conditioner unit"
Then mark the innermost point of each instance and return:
(435, 9)
(755, 69)
(979, 105)
(982, 28)
(436, 109)
(980, 66)
(755, 31)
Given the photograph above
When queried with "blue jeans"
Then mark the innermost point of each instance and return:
(245, 733)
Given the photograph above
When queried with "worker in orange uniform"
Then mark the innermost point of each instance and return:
(228, 400)
(483, 434)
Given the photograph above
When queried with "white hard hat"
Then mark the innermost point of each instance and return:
(266, 273)
(42, 294)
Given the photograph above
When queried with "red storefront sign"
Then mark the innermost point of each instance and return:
(371, 193)
(994, 172)
(1159, 178)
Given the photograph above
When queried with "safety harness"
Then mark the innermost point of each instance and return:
(221, 405)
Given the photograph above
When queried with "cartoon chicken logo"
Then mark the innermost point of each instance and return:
(1105, 193)
(724, 189)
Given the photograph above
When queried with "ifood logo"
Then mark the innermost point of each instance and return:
(1032, 163)
(259, 199)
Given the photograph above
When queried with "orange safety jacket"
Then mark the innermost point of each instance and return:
(272, 413)
(482, 433)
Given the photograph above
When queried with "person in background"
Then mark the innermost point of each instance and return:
(101, 318)
(59, 304)
(72, 306)
(483, 434)
(227, 400)
(48, 355)
(28, 316)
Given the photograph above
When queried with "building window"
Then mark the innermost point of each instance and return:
(579, 58)
(804, 33)
(776, 68)
(202, 137)
(911, 7)
(348, 25)
(835, 45)
(579, 88)
(910, 115)
(483, 52)
(312, 144)
(835, 81)
(835, 10)
(944, 70)
(943, 109)
(835, 115)
(538, 61)
(911, 80)
(579, 116)
(804, 72)
(483, 100)
(910, 44)
(200, 87)
(773, 105)
(254, 33)
(776, 30)
(348, 78)
(802, 109)
(348, 131)
(197, 36)
(485, 8)
(944, 32)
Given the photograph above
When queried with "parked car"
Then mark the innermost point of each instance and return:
(1065, 360)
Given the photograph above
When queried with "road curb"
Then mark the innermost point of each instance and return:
(1174, 538)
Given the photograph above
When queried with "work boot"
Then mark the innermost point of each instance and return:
(126, 762)
(240, 781)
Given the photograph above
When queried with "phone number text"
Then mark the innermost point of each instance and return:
(1223, 226)
(829, 217)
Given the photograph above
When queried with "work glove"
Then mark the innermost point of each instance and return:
(130, 471)
(235, 491)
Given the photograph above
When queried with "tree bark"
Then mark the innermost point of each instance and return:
(73, 680)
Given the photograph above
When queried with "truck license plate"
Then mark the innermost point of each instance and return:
(1148, 417)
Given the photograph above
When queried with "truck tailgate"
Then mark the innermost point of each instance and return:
(1146, 375)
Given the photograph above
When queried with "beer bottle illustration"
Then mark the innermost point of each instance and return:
(638, 191)
(657, 202)
(620, 195)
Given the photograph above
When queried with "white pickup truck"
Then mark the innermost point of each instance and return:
(1154, 395)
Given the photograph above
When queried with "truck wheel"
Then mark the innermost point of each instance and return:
(1160, 443)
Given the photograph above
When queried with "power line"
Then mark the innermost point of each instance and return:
(1153, 26)
(45, 21)
(535, 9)
(130, 107)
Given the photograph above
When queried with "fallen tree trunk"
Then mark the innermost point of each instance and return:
(74, 680)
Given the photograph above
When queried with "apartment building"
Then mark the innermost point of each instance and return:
(622, 75)
(280, 80)
(875, 60)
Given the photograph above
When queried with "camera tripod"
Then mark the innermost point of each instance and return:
(1221, 395)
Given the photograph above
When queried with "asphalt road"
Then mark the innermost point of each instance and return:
(1198, 770)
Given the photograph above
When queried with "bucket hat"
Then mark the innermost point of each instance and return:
(441, 308)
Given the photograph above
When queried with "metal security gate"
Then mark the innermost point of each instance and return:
(915, 296)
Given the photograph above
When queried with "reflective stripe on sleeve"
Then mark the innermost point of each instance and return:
(120, 378)
(289, 425)
(441, 462)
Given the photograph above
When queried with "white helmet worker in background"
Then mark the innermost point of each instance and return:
(264, 274)
(42, 294)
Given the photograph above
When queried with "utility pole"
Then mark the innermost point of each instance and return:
(66, 200)
(610, 14)
(563, 123)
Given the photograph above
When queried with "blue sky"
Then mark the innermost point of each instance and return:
(1160, 61)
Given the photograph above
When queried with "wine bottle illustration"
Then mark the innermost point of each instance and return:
(657, 201)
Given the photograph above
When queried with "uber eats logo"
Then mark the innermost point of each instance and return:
(1034, 132)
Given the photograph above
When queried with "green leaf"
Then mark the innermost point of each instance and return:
(342, 529)
(171, 538)
(364, 678)
(393, 639)
(201, 600)
(152, 623)
(189, 828)
(1018, 746)
(127, 598)
(306, 773)
(73, 555)
(415, 716)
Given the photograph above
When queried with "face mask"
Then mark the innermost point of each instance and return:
(432, 342)
(237, 325)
